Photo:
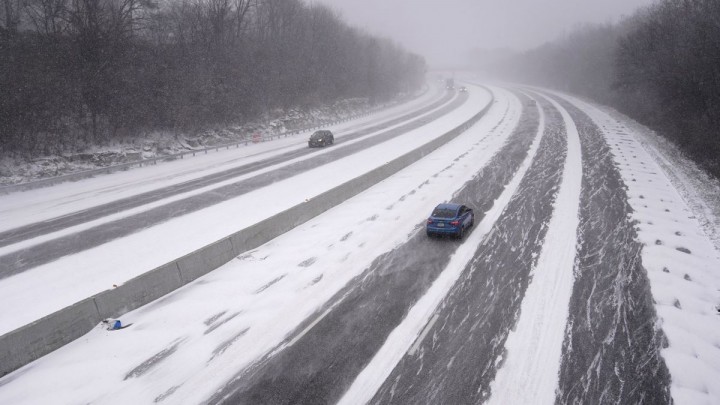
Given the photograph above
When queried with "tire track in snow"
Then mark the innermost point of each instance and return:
(457, 361)
(612, 344)
(533, 348)
(420, 319)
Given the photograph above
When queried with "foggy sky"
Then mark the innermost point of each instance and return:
(444, 30)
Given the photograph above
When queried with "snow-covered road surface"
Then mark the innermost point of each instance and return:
(458, 360)
(328, 357)
(65, 213)
(216, 188)
(273, 289)
(421, 318)
(357, 305)
(534, 347)
(668, 254)
(74, 277)
(23, 208)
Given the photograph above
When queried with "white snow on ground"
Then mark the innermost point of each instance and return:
(700, 191)
(682, 264)
(227, 319)
(52, 286)
(420, 318)
(534, 347)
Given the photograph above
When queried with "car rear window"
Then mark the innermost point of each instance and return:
(443, 213)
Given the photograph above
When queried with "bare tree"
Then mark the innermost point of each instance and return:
(102, 31)
(11, 15)
(48, 16)
(103, 68)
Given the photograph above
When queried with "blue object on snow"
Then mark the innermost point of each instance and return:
(112, 324)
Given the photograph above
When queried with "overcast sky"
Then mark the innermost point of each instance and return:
(444, 30)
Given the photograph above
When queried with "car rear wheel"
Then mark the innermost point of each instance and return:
(461, 232)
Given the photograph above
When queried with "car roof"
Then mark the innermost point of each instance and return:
(448, 206)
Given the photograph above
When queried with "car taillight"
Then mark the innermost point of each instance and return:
(429, 221)
(455, 223)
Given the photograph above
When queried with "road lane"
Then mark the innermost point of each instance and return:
(533, 348)
(18, 234)
(320, 365)
(458, 360)
(26, 258)
(611, 352)
(411, 333)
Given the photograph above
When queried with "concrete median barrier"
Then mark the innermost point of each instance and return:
(139, 291)
(39, 338)
(205, 260)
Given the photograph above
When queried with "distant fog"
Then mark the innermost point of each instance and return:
(444, 31)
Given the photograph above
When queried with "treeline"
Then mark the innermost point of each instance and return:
(76, 72)
(660, 66)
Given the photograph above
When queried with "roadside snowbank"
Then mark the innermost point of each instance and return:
(682, 263)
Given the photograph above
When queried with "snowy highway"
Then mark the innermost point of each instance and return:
(37, 254)
(42, 264)
(587, 278)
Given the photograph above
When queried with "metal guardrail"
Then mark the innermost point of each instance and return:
(154, 160)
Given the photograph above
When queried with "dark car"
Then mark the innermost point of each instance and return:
(450, 219)
(321, 138)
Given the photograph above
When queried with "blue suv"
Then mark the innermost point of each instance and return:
(450, 219)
